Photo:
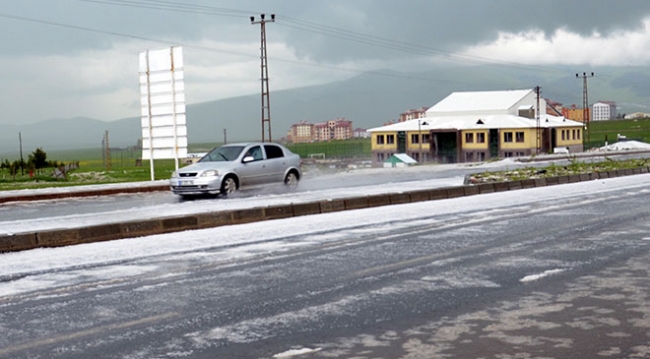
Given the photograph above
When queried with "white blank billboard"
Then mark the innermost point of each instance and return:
(162, 99)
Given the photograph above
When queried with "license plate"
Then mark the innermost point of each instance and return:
(185, 183)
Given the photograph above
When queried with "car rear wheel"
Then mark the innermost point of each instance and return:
(229, 185)
(291, 180)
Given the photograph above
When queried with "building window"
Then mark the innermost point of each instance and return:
(469, 156)
(507, 137)
(426, 138)
(507, 154)
(574, 134)
(415, 138)
(380, 139)
(480, 137)
(579, 134)
(563, 136)
(481, 156)
(469, 137)
(390, 139)
(519, 136)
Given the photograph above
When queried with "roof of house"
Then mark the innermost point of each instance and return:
(471, 122)
(478, 101)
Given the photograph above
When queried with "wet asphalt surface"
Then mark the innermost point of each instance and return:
(543, 279)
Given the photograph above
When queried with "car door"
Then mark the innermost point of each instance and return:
(276, 162)
(253, 172)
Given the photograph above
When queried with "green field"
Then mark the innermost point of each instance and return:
(356, 148)
(607, 131)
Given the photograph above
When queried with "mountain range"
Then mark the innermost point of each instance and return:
(368, 100)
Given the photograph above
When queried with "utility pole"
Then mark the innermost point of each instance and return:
(225, 141)
(22, 162)
(538, 91)
(266, 106)
(107, 152)
(585, 107)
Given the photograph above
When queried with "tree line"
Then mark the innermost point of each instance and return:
(36, 162)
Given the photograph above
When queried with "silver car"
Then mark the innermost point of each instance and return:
(227, 168)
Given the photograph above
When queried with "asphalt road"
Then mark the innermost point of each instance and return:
(313, 181)
(539, 279)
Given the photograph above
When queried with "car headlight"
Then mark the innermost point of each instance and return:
(175, 174)
(210, 173)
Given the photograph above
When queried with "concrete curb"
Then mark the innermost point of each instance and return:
(105, 232)
(82, 193)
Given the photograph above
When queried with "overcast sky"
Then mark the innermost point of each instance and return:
(68, 58)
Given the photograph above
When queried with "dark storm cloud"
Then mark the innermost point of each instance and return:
(448, 25)
(89, 47)
(330, 31)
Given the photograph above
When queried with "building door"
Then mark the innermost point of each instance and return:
(494, 143)
(447, 147)
(401, 142)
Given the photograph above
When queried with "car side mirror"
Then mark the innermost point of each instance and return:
(248, 159)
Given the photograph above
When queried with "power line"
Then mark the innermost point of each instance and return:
(171, 6)
(211, 49)
(81, 28)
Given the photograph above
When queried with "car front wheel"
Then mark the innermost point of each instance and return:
(291, 180)
(228, 186)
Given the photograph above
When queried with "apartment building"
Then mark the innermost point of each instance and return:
(412, 114)
(301, 132)
(603, 111)
(574, 113)
(338, 129)
(360, 133)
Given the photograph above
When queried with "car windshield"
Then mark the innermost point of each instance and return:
(223, 154)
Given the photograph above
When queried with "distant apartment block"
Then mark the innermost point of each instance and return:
(574, 113)
(302, 131)
(604, 110)
(360, 133)
(413, 114)
(338, 129)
